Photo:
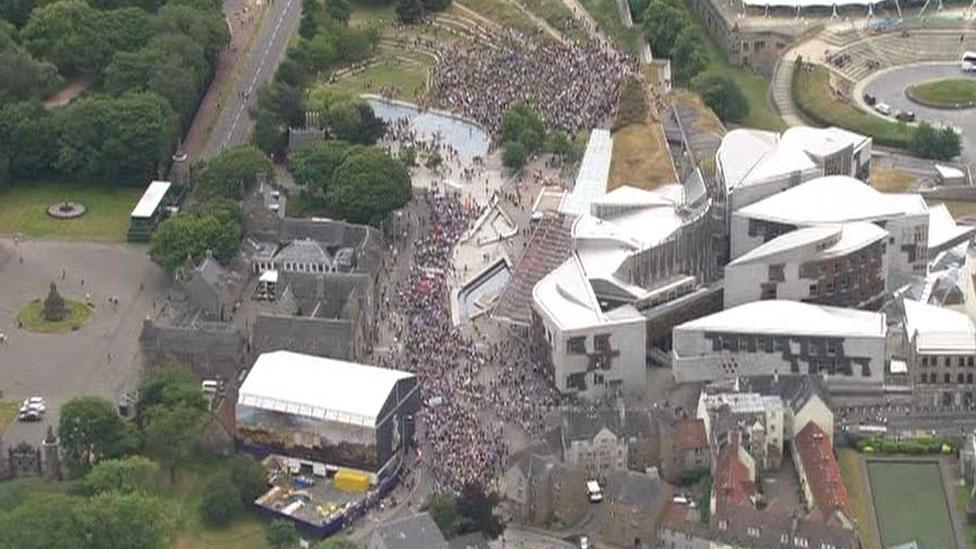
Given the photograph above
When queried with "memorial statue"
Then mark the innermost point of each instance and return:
(54, 309)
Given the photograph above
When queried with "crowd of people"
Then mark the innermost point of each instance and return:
(469, 388)
(574, 87)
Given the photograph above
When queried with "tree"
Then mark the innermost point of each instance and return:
(335, 542)
(29, 135)
(523, 124)
(722, 95)
(409, 11)
(234, 172)
(190, 237)
(558, 143)
(477, 507)
(436, 5)
(168, 386)
(221, 503)
(44, 521)
(443, 511)
(128, 521)
(278, 106)
(281, 533)
(116, 139)
(250, 478)
(206, 27)
(355, 122)
(131, 475)
(515, 155)
(17, 12)
(314, 167)
(90, 430)
(339, 10)
(67, 34)
(368, 185)
(688, 55)
(663, 22)
(22, 77)
(929, 142)
(172, 434)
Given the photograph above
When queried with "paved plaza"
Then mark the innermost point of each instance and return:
(102, 358)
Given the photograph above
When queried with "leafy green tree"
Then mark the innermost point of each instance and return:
(436, 5)
(443, 511)
(281, 533)
(172, 434)
(355, 122)
(131, 475)
(940, 144)
(335, 542)
(339, 10)
(128, 521)
(663, 22)
(515, 155)
(688, 55)
(523, 124)
(22, 77)
(17, 12)
(409, 11)
(44, 521)
(205, 27)
(313, 168)
(558, 143)
(27, 133)
(368, 186)
(90, 430)
(67, 34)
(722, 95)
(221, 503)
(233, 172)
(250, 478)
(116, 139)
(309, 26)
(168, 386)
(477, 506)
(278, 106)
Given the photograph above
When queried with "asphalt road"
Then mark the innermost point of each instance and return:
(889, 87)
(268, 49)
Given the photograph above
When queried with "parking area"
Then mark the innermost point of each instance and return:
(102, 357)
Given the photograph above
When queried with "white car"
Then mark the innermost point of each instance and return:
(883, 108)
(584, 542)
(35, 404)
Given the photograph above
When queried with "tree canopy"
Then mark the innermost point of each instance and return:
(130, 475)
(233, 172)
(938, 143)
(314, 167)
(523, 135)
(90, 430)
(368, 185)
(722, 95)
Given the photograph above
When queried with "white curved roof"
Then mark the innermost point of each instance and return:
(780, 317)
(938, 329)
(846, 237)
(833, 199)
(317, 387)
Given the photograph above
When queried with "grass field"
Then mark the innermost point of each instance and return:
(23, 210)
(31, 316)
(410, 79)
(557, 15)
(847, 459)
(762, 115)
(608, 19)
(911, 503)
(962, 501)
(641, 158)
(958, 208)
(8, 411)
(502, 12)
(948, 92)
(816, 100)
(891, 180)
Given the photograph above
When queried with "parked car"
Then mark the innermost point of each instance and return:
(883, 108)
(30, 415)
(905, 116)
(584, 542)
(870, 99)
(34, 403)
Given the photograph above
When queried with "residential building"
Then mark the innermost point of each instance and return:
(757, 419)
(542, 490)
(821, 483)
(211, 288)
(684, 449)
(733, 475)
(840, 265)
(941, 346)
(634, 503)
(595, 441)
(743, 527)
(805, 400)
(845, 346)
(414, 532)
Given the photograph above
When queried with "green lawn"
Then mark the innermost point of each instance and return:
(8, 411)
(500, 11)
(23, 210)
(607, 16)
(14, 492)
(409, 78)
(557, 15)
(814, 98)
(31, 316)
(948, 92)
(911, 503)
(962, 501)
(847, 459)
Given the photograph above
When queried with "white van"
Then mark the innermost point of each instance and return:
(594, 491)
(209, 386)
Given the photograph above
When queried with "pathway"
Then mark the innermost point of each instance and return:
(958, 516)
(781, 90)
(541, 23)
(69, 92)
(873, 530)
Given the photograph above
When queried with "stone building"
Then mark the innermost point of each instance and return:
(541, 490)
(633, 505)
(683, 449)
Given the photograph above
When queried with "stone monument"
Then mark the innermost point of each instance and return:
(54, 309)
(52, 457)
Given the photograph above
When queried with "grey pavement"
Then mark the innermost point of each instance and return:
(889, 87)
(61, 366)
(234, 121)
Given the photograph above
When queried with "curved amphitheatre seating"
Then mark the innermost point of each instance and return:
(890, 49)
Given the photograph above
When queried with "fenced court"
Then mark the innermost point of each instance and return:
(910, 502)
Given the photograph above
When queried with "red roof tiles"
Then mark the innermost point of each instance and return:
(823, 475)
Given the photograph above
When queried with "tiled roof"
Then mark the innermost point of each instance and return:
(691, 434)
(734, 483)
(823, 475)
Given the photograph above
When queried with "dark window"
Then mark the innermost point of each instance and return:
(947, 379)
(960, 361)
(947, 361)
(768, 291)
(969, 361)
(925, 361)
(969, 378)
(813, 289)
(960, 379)
(576, 345)
(602, 343)
(777, 273)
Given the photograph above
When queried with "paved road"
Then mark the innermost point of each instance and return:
(234, 122)
(889, 87)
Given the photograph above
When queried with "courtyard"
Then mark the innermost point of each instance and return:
(23, 205)
(102, 356)
(911, 503)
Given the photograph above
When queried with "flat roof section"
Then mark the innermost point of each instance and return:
(151, 199)
(591, 181)
(781, 317)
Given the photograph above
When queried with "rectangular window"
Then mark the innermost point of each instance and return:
(767, 291)
(576, 345)
(777, 273)
(601, 343)
(831, 348)
(813, 289)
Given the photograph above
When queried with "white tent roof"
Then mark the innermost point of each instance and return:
(151, 198)
(791, 318)
(938, 329)
(321, 388)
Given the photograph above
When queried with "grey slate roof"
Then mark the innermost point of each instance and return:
(415, 532)
(795, 390)
(304, 251)
(636, 490)
(313, 336)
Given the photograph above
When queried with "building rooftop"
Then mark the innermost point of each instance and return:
(691, 434)
(151, 199)
(734, 481)
(791, 318)
(321, 388)
(832, 200)
(943, 230)
(795, 245)
(822, 473)
(936, 329)
(414, 532)
(591, 181)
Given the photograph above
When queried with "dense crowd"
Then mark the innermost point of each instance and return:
(573, 87)
(463, 415)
